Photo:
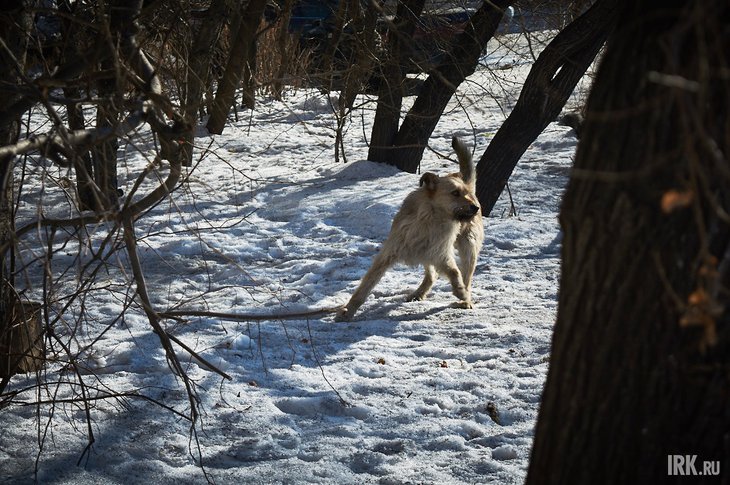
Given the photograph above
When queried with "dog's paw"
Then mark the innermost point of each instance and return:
(416, 296)
(461, 293)
(464, 304)
(343, 315)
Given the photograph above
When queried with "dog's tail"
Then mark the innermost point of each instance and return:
(466, 164)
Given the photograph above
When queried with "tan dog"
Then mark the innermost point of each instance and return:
(441, 215)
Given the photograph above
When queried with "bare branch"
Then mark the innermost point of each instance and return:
(248, 317)
(76, 139)
(201, 359)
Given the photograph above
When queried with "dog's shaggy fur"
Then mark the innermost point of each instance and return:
(441, 215)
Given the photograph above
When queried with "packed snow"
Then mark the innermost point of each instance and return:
(268, 223)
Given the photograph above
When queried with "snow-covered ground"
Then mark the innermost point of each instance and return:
(409, 392)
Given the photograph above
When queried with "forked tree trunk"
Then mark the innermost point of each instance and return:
(392, 88)
(419, 123)
(641, 350)
(548, 86)
(240, 54)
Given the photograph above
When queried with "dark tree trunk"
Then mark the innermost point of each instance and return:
(641, 349)
(392, 89)
(21, 339)
(199, 63)
(548, 86)
(248, 81)
(282, 41)
(15, 23)
(419, 123)
(104, 155)
(122, 28)
(82, 163)
(241, 53)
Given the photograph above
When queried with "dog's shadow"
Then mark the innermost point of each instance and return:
(400, 309)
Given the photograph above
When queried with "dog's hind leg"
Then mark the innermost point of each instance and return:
(428, 280)
(380, 265)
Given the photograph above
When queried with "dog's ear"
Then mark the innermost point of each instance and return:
(429, 180)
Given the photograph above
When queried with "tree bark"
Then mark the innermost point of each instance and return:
(199, 68)
(419, 123)
(81, 159)
(282, 41)
(240, 54)
(548, 86)
(21, 338)
(15, 22)
(641, 350)
(82, 163)
(104, 155)
(392, 89)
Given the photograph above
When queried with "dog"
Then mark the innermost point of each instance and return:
(440, 216)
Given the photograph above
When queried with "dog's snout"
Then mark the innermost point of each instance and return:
(466, 212)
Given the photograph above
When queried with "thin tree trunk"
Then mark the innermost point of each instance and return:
(419, 123)
(248, 81)
(82, 163)
(392, 89)
(104, 155)
(250, 16)
(361, 53)
(198, 70)
(548, 86)
(326, 63)
(355, 78)
(282, 41)
(641, 351)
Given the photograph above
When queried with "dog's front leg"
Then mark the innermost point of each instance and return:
(428, 280)
(451, 271)
(467, 259)
(380, 265)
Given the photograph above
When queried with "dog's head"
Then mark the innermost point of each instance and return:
(450, 194)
